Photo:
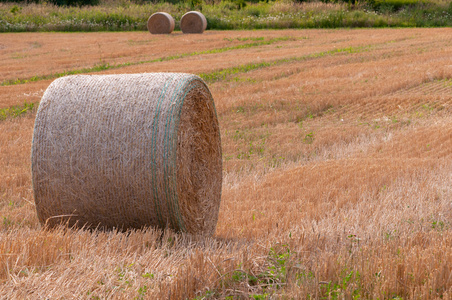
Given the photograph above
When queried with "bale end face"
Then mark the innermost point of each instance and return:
(193, 22)
(160, 23)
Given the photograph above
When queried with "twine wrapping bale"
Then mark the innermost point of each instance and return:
(127, 151)
(161, 23)
(193, 22)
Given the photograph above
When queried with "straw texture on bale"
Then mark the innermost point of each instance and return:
(161, 23)
(193, 22)
(128, 151)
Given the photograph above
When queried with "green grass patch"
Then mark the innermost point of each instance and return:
(350, 281)
(16, 111)
(398, 2)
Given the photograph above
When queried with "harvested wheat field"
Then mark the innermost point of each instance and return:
(337, 168)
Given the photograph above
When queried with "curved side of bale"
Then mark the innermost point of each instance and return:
(128, 151)
(161, 23)
(193, 22)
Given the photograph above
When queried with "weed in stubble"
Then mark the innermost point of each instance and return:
(17, 111)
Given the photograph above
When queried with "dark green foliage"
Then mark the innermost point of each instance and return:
(75, 2)
(15, 9)
(394, 5)
(58, 2)
(240, 3)
(194, 4)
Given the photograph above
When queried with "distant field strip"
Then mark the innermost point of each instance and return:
(103, 67)
(224, 73)
(215, 76)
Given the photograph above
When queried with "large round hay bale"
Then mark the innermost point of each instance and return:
(160, 23)
(127, 151)
(193, 22)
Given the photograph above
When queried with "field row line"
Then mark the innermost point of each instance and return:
(211, 77)
(107, 66)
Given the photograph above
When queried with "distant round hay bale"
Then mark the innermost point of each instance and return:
(193, 22)
(128, 151)
(161, 23)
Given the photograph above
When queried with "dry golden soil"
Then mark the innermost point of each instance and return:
(337, 157)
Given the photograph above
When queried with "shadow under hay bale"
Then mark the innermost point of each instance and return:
(128, 151)
(160, 23)
(193, 22)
